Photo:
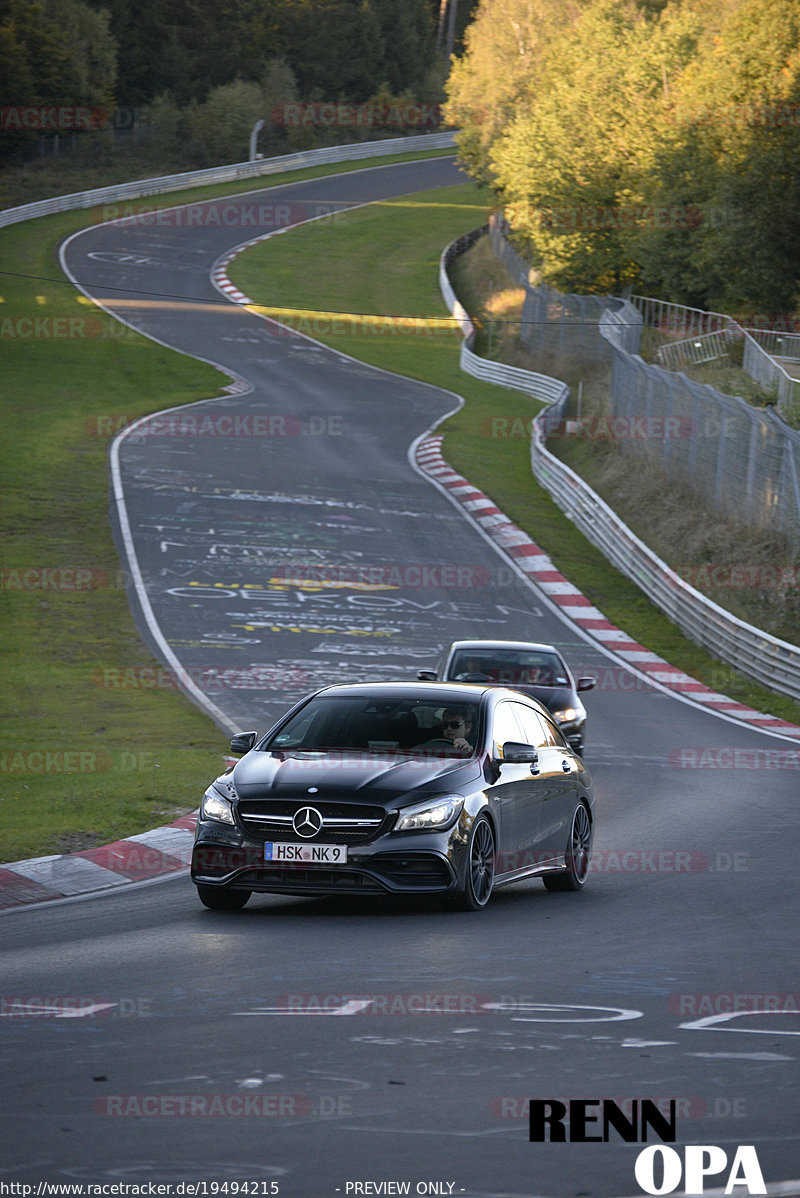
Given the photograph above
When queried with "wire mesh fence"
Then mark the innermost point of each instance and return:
(741, 461)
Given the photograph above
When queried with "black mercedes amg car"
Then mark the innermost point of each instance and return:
(397, 789)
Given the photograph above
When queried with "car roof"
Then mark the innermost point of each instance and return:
(478, 645)
(442, 693)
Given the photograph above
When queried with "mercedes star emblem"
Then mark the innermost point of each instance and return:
(307, 822)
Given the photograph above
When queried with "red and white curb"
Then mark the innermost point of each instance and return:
(535, 563)
(219, 271)
(139, 858)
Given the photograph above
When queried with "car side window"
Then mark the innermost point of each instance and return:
(532, 727)
(505, 727)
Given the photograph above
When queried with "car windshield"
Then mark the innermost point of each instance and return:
(386, 725)
(508, 668)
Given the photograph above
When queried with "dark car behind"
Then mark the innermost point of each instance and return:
(534, 669)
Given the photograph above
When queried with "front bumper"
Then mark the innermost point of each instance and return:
(416, 864)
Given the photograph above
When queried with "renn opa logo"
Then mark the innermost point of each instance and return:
(659, 1169)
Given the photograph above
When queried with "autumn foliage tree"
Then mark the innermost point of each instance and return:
(640, 144)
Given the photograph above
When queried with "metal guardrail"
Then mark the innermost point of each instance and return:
(226, 174)
(540, 386)
(770, 661)
(767, 659)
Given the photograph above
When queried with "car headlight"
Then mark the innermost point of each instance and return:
(566, 715)
(432, 815)
(216, 806)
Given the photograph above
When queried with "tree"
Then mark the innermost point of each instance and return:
(736, 158)
(507, 46)
(571, 166)
(223, 123)
(53, 53)
(92, 49)
(407, 34)
(187, 47)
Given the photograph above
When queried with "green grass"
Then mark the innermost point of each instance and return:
(141, 753)
(384, 259)
(145, 754)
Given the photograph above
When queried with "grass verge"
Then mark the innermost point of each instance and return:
(83, 762)
(384, 260)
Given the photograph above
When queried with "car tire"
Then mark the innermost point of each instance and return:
(479, 881)
(218, 899)
(577, 855)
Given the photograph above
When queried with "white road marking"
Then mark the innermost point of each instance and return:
(711, 1021)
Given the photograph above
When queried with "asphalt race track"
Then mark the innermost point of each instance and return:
(310, 1047)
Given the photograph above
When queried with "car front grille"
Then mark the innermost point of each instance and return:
(308, 881)
(342, 823)
(381, 874)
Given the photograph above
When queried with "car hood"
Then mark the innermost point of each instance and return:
(371, 777)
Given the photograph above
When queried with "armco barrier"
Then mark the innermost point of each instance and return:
(765, 658)
(540, 386)
(226, 174)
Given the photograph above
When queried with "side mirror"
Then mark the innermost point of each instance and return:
(516, 753)
(426, 675)
(243, 742)
(586, 684)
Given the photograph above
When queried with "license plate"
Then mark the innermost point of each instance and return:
(308, 854)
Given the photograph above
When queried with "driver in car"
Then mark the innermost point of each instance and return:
(456, 728)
